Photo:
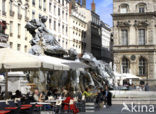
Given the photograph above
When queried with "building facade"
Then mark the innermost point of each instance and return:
(95, 32)
(58, 13)
(134, 37)
(17, 13)
(106, 51)
(78, 26)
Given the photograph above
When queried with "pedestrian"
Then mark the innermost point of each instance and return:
(107, 96)
(100, 98)
(146, 87)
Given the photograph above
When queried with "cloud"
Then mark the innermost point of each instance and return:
(105, 9)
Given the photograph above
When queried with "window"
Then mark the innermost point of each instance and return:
(11, 26)
(44, 5)
(33, 2)
(142, 66)
(63, 2)
(33, 15)
(25, 48)
(124, 36)
(62, 14)
(26, 12)
(50, 6)
(26, 35)
(63, 29)
(55, 25)
(19, 9)
(50, 23)
(18, 47)
(11, 45)
(66, 30)
(66, 16)
(58, 11)
(141, 9)
(40, 4)
(19, 29)
(54, 10)
(3, 6)
(125, 65)
(124, 8)
(59, 27)
(11, 6)
(141, 36)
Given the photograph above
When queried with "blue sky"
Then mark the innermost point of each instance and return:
(104, 8)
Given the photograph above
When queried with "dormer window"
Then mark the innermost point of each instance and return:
(124, 8)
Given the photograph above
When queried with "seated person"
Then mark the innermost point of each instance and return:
(68, 105)
(37, 96)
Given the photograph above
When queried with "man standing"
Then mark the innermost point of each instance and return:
(108, 96)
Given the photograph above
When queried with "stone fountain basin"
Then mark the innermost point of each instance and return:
(136, 97)
(133, 94)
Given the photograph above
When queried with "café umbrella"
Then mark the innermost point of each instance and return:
(11, 60)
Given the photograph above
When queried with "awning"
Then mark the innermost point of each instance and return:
(11, 59)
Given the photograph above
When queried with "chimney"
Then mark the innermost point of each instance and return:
(71, 5)
(79, 2)
(93, 6)
(84, 3)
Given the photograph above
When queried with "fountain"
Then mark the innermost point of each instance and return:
(43, 42)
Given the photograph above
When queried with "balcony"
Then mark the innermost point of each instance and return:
(12, 13)
(19, 16)
(26, 19)
(4, 13)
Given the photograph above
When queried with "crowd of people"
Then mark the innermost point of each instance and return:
(100, 96)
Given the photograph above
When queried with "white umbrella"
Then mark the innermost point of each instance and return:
(75, 65)
(11, 60)
(15, 60)
(1, 78)
(61, 64)
(53, 63)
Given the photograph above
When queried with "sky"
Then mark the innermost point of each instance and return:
(104, 8)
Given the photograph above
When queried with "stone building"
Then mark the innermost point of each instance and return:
(79, 31)
(134, 23)
(58, 13)
(17, 13)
